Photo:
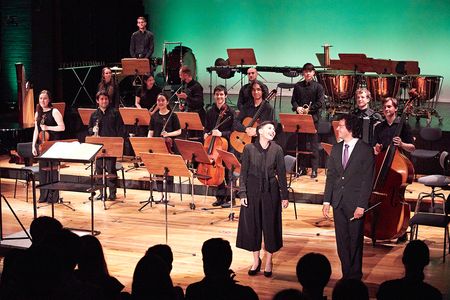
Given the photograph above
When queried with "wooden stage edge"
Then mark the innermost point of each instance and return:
(126, 233)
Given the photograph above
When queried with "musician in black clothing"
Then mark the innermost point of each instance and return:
(245, 93)
(146, 95)
(368, 118)
(141, 43)
(106, 121)
(191, 94)
(258, 96)
(308, 98)
(108, 85)
(224, 130)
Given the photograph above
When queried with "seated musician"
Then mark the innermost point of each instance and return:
(106, 121)
(146, 95)
(308, 97)
(364, 112)
(245, 93)
(213, 119)
(48, 126)
(191, 94)
(385, 131)
(108, 85)
(166, 125)
(249, 111)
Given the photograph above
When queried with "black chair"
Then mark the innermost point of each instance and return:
(285, 85)
(436, 217)
(430, 135)
(25, 150)
(289, 163)
(119, 167)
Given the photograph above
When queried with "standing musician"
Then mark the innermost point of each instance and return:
(384, 132)
(191, 94)
(146, 95)
(245, 93)
(164, 123)
(258, 96)
(307, 98)
(224, 130)
(348, 187)
(141, 42)
(48, 125)
(368, 118)
(109, 86)
(106, 121)
(263, 191)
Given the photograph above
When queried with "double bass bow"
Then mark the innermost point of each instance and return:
(394, 171)
(214, 172)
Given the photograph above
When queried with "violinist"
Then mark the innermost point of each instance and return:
(106, 121)
(384, 132)
(48, 126)
(259, 94)
(191, 95)
(220, 112)
(307, 98)
(348, 187)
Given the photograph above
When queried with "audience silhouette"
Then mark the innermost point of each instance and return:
(218, 282)
(313, 273)
(289, 294)
(416, 257)
(350, 289)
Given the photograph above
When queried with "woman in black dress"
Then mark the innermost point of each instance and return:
(146, 95)
(263, 191)
(109, 86)
(48, 126)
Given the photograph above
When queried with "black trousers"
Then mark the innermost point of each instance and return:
(309, 142)
(349, 241)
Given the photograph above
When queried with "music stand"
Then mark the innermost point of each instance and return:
(241, 56)
(136, 67)
(165, 165)
(135, 117)
(297, 124)
(112, 148)
(190, 121)
(193, 152)
(232, 164)
(85, 114)
(143, 145)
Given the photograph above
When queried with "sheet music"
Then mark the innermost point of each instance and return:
(71, 150)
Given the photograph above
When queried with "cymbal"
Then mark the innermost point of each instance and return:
(116, 69)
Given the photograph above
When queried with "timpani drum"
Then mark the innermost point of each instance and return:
(427, 86)
(382, 86)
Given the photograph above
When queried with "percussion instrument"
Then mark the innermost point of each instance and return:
(179, 56)
(382, 86)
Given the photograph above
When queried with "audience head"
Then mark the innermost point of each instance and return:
(42, 227)
(350, 289)
(416, 256)
(289, 294)
(91, 259)
(162, 251)
(217, 257)
(151, 279)
(68, 244)
(313, 272)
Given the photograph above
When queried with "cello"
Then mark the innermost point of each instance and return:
(214, 172)
(394, 171)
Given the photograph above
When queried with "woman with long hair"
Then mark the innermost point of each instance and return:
(108, 85)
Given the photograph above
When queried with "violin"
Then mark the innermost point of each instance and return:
(43, 134)
(214, 172)
(394, 171)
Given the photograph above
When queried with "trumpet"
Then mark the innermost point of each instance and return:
(305, 107)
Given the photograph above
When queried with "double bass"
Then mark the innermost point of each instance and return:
(394, 171)
(214, 172)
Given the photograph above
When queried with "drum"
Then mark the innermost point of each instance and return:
(339, 85)
(179, 56)
(428, 86)
(382, 86)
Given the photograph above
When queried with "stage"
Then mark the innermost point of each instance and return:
(126, 233)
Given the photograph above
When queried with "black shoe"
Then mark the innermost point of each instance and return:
(42, 200)
(112, 197)
(256, 271)
(99, 197)
(314, 174)
(302, 171)
(219, 201)
(268, 274)
(228, 204)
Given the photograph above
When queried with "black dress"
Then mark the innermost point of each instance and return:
(47, 176)
(264, 192)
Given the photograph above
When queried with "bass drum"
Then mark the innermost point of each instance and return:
(179, 56)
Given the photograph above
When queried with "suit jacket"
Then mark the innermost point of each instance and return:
(351, 187)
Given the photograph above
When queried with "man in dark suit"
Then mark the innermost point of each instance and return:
(348, 189)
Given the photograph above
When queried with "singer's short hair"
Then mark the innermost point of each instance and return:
(220, 88)
(394, 101)
(186, 70)
(364, 90)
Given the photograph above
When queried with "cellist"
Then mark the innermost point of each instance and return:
(223, 131)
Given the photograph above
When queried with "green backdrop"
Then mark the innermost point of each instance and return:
(289, 33)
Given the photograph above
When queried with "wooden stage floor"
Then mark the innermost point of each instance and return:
(126, 233)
